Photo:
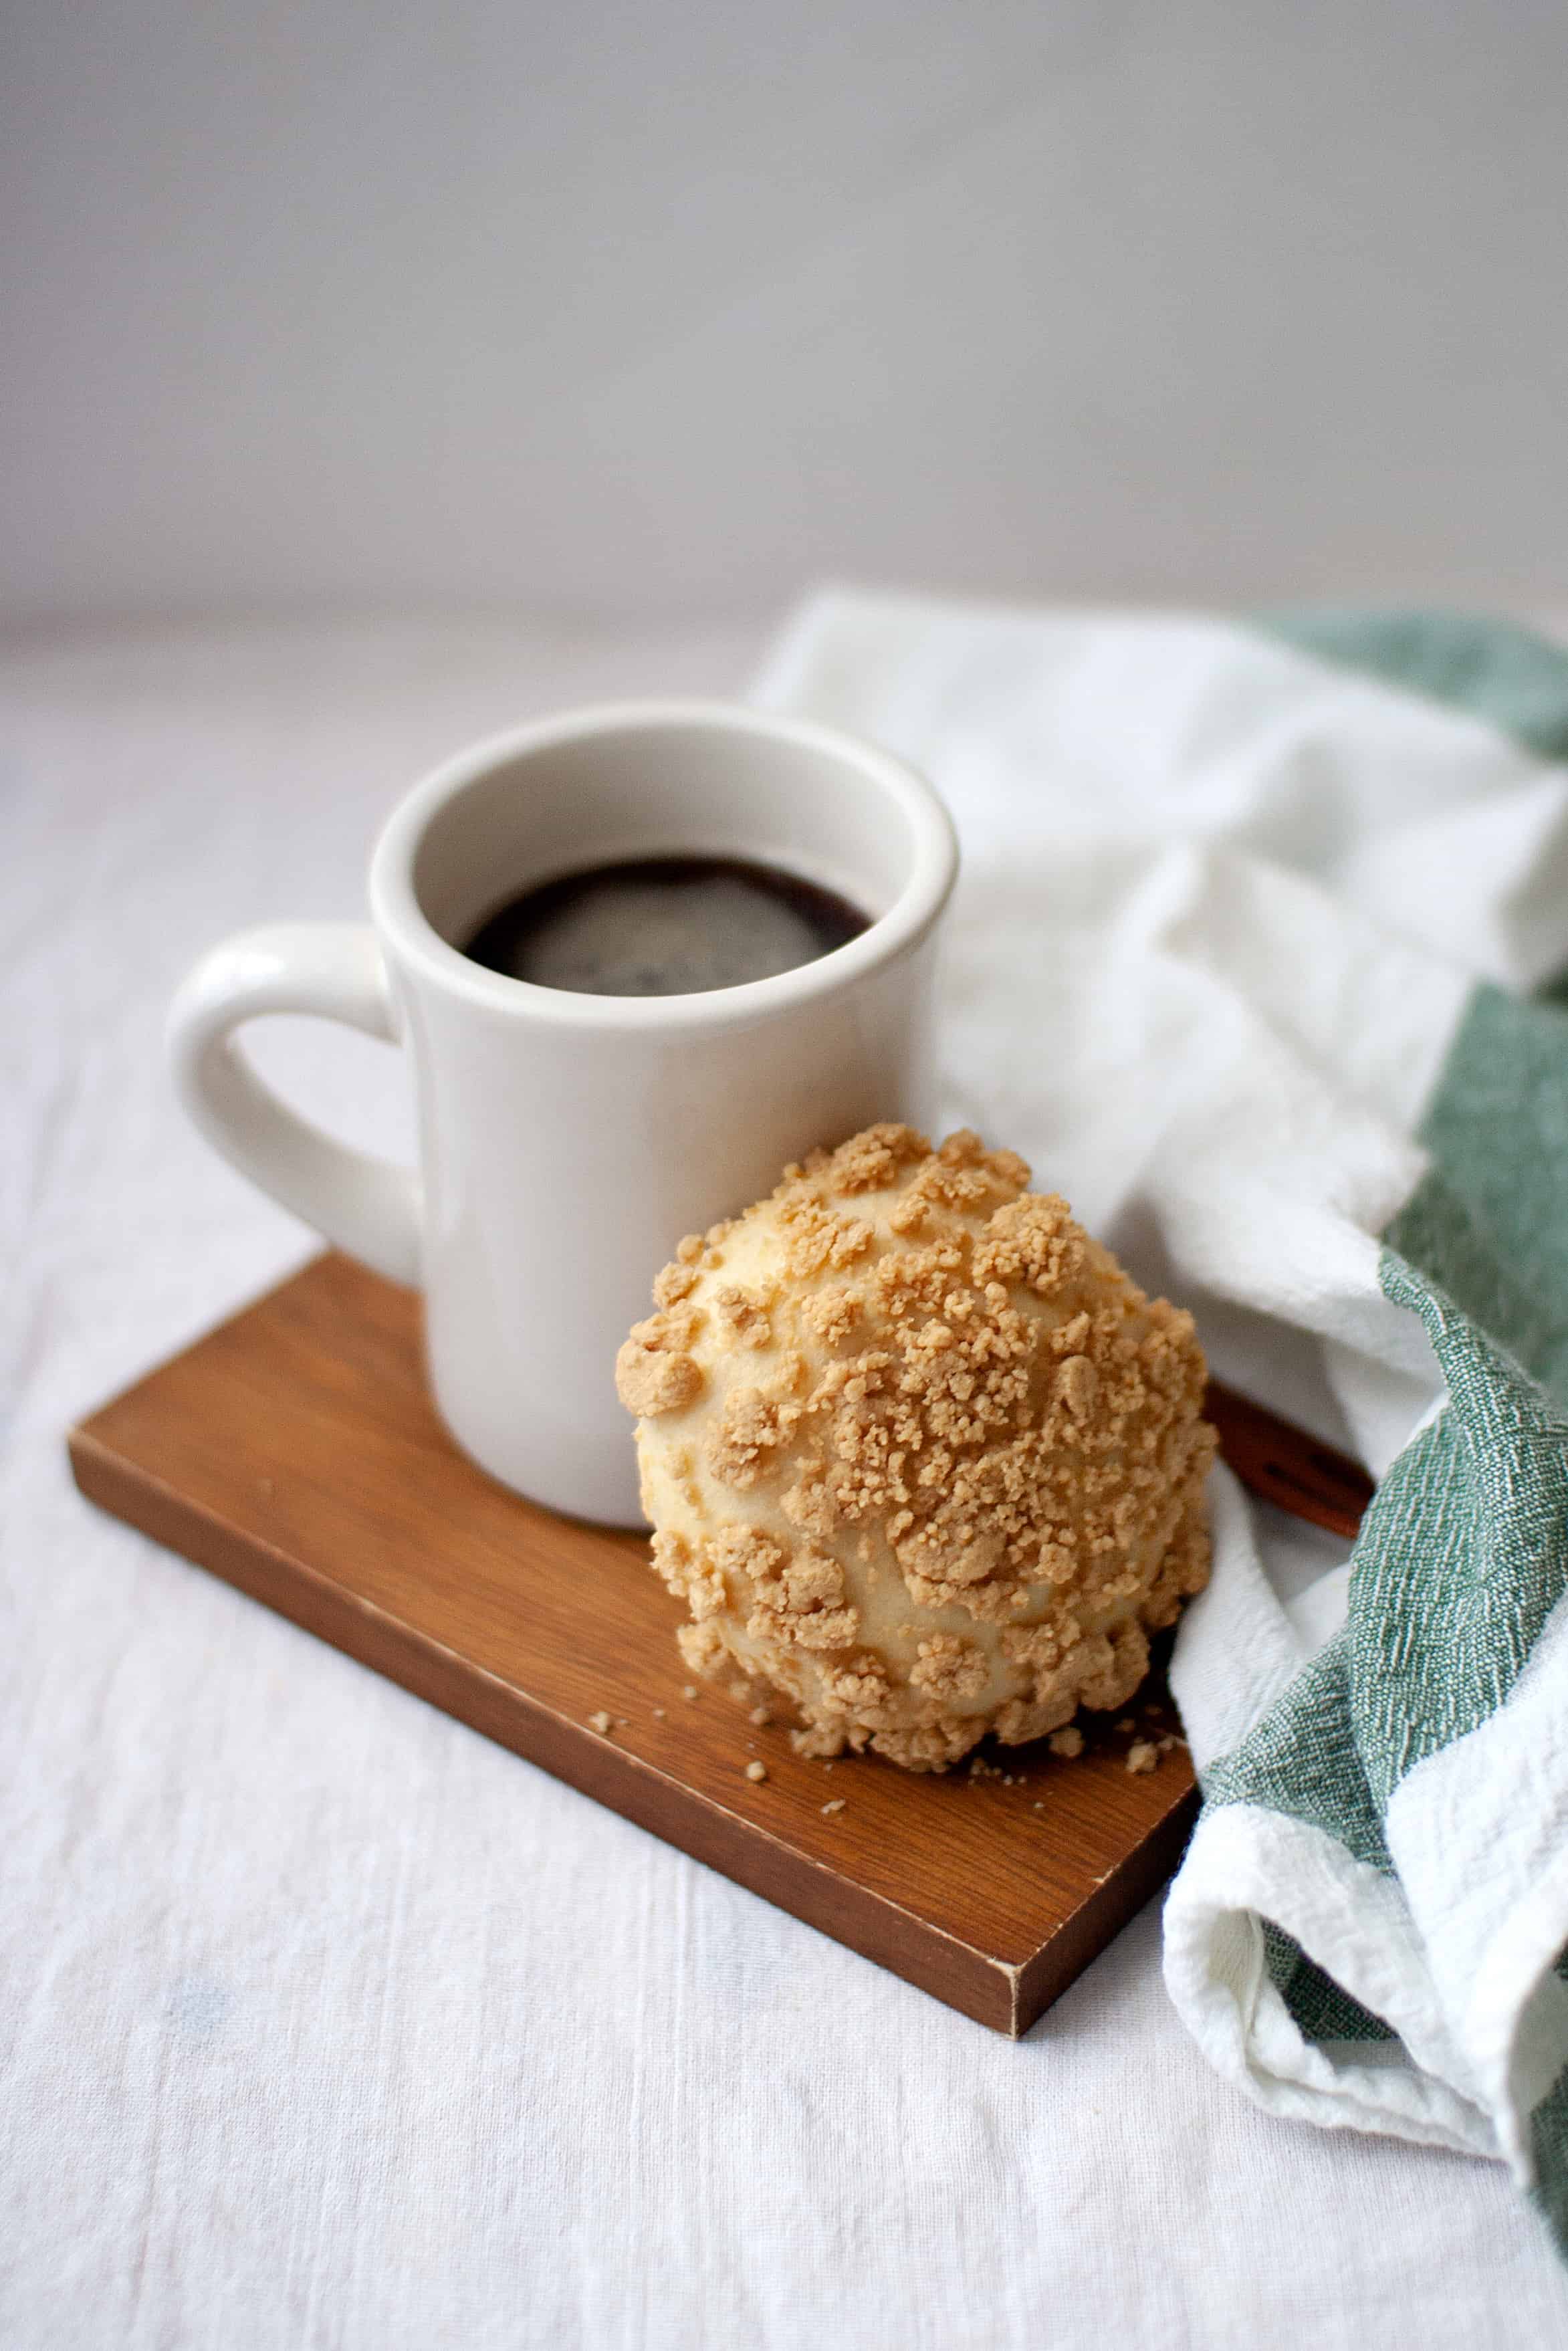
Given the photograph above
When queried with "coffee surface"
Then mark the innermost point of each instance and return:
(665, 926)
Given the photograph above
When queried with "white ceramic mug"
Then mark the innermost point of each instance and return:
(567, 1142)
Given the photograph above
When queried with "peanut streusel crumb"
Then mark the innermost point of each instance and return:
(924, 1462)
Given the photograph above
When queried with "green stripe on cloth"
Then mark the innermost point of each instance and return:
(1463, 1553)
(1490, 669)
(1490, 1223)
(1302, 1760)
(1320, 2009)
(1549, 2149)
(1461, 1557)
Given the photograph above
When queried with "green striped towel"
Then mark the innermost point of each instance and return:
(1253, 958)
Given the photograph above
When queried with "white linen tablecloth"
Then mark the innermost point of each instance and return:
(324, 2023)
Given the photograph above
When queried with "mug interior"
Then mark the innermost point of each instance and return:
(735, 785)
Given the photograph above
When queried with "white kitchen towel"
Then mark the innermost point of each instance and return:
(1252, 958)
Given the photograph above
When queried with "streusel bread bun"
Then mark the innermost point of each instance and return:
(921, 1459)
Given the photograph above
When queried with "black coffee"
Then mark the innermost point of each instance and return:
(665, 926)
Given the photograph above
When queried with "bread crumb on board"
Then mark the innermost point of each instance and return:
(756, 1770)
(1143, 1755)
(601, 1722)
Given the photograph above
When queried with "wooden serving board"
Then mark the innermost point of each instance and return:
(294, 1452)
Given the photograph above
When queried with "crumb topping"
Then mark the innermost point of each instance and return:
(653, 1372)
(749, 1431)
(743, 1316)
(831, 1314)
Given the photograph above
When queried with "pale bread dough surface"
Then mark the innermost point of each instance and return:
(920, 1458)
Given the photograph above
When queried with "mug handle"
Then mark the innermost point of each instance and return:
(335, 970)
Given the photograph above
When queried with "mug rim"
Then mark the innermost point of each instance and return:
(407, 929)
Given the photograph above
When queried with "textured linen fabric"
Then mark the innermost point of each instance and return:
(324, 2023)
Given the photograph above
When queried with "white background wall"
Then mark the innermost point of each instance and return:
(611, 308)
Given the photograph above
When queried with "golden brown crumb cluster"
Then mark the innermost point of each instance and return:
(922, 1460)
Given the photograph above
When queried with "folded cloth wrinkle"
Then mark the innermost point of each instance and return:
(1243, 959)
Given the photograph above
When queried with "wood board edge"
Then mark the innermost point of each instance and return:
(988, 1990)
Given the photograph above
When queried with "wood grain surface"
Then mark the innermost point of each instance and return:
(1285, 1466)
(294, 1452)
